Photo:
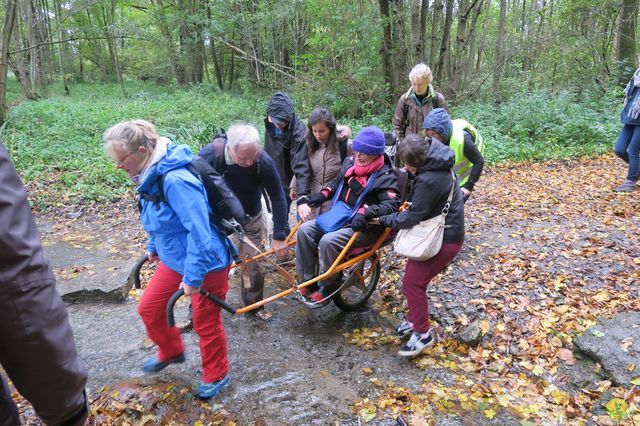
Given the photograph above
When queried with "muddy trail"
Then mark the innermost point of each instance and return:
(549, 250)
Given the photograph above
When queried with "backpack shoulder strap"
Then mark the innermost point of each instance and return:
(436, 100)
(218, 151)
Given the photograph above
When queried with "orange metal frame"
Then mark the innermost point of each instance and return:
(335, 267)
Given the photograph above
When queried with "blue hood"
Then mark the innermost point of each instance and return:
(439, 120)
(177, 156)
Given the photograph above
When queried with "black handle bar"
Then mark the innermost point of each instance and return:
(136, 270)
(178, 294)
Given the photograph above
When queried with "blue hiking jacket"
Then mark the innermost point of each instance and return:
(178, 228)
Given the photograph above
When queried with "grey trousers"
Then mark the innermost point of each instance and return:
(38, 353)
(311, 242)
(253, 291)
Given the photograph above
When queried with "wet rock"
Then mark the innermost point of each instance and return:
(471, 335)
(615, 344)
(87, 275)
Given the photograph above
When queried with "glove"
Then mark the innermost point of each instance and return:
(359, 223)
(368, 214)
(316, 200)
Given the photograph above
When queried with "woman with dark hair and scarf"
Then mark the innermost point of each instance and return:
(326, 152)
(628, 144)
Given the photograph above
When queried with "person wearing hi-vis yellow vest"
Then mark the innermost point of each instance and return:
(464, 140)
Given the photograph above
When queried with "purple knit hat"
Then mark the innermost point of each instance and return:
(369, 140)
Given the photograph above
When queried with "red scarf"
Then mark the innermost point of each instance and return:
(361, 173)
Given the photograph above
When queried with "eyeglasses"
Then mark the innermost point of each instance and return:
(120, 163)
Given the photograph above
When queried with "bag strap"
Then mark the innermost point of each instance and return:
(445, 209)
(360, 199)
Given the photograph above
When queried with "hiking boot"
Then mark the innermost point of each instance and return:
(154, 365)
(416, 344)
(404, 329)
(209, 390)
(627, 186)
(316, 300)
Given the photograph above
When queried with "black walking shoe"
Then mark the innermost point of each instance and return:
(404, 329)
(416, 344)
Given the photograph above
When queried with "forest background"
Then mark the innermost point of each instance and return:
(540, 79)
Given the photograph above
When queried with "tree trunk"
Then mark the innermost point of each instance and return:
(63, 74)
(472, 41)
(483, 39)
(161, 18)
(419, 10)
(500, 55)
(216, 65)
(20, 66)
(385, 49)
(437, 5)
(462, 44)
(528, 48)
(626, 38)
(399, 47)
(7, 28)
(444, 46)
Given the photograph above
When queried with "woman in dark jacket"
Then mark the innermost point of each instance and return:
(430, 161)
(381, 199)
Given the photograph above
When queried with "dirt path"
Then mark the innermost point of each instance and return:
(549, 249)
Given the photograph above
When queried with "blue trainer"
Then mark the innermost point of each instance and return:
(209, 390)
(153, 365)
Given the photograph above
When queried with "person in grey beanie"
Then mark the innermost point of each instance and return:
(464, 140)
(370, 168)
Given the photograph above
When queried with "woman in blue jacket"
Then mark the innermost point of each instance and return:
(628, 143)
(193, 254)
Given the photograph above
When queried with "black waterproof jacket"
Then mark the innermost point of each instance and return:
(289, 149)
(431, 188)
(382, 198)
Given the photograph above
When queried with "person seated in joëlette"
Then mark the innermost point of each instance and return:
(368, 187)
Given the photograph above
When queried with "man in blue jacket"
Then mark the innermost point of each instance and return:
(247, 170)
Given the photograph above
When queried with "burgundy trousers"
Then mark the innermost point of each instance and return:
(417, 275)
(207, 320)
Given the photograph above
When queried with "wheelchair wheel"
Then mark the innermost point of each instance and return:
(361, 281)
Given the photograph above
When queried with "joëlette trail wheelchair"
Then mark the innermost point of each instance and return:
(359, 267)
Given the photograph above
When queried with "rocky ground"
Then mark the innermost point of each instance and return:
(549, 251)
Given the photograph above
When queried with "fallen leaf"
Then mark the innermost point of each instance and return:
(617, 409)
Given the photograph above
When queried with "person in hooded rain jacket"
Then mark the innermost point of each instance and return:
(193, 253)
(285, 141)
(430, 162)
(466, 143)
(628, 143)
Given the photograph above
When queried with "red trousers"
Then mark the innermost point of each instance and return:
(207, 320)
(417, 275)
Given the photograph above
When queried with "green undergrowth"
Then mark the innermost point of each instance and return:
(56, 142)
